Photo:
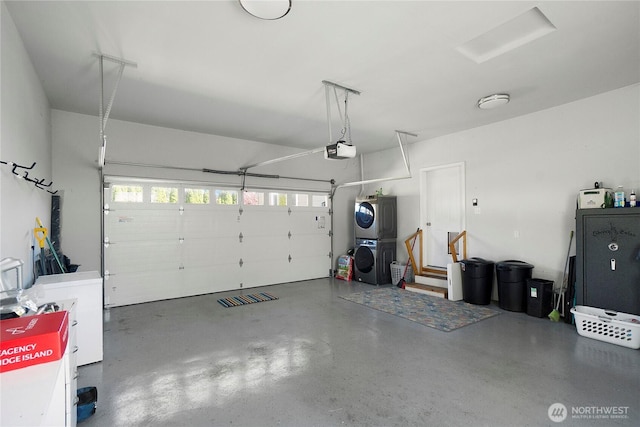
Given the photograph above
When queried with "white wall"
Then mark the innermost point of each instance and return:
(75, 154)
(526, 173)
(25, 137)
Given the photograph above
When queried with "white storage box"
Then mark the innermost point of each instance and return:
(595, 198)
(454, 282)
(607, 325)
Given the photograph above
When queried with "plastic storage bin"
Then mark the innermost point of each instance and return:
(512, 278)
(477, 280)
(539, 297)
(609, 326)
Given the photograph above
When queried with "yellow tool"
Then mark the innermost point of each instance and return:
(40, 237)
(41, 241)
(40, 233)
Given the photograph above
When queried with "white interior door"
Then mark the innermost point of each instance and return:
(442, 211)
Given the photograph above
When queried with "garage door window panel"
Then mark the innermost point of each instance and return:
(278, 199)
(127, 193)
(319, 200)
(197, 196)
(253, 198)
(226, 197)
(164, 195)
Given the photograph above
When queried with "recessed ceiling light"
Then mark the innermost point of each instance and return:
(266, 9)
(493, 101)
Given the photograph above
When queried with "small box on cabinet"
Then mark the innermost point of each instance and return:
(594, 198)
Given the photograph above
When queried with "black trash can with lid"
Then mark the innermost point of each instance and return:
(477, 280)
(512, 278)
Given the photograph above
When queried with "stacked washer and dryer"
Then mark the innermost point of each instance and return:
(375, 238)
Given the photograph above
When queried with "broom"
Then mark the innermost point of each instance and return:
(555, 314)
(401, 283)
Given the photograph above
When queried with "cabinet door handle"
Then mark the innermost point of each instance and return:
(75, 349)
(75, 322)
(613, 264)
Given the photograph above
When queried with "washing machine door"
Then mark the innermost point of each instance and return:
(365, 215)
(364, 259)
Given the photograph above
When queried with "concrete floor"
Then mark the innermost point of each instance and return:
(313, 359)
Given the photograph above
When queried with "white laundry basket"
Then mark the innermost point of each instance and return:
(607, 325)
(397, 270)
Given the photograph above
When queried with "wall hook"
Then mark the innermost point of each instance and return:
(15, 166)
(39, 183)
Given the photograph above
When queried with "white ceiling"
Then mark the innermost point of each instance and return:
(208, 66)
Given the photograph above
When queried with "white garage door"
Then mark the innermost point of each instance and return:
(170, 240)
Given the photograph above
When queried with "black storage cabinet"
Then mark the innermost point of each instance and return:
(477, 280)
(608, 259)
(512, 278)
(539, 297)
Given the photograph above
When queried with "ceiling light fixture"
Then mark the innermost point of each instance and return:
(269, 10)
(493, 101)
